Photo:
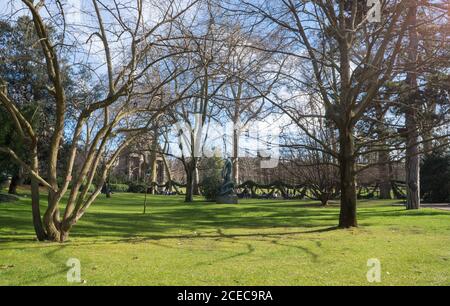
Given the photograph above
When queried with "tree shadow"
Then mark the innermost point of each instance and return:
(120, 218)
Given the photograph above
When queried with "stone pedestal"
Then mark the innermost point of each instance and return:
(227, 199)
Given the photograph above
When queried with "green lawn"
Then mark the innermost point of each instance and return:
(254, 243)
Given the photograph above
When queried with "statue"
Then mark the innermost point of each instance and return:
(226, 192)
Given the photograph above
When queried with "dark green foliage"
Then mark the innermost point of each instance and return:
(212, 178)
(435, 178)
(136, 188)
(23, 72)
(119, 187)
(210, 187)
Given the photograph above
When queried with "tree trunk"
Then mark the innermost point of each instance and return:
(153, 165)
(324, 199)
(189, 186)
(15, 180)
(236, 157)
(168, 172)
(35, 197)
(36, 211)
(66, 226)
(195, 178)
(384, 174)
(412, 163)
(53, 233)
(347, 217)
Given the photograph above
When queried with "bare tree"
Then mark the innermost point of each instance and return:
(123, 111)
(350, 59)
(208, 54)
(247, 67)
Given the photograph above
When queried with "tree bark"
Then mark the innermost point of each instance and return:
(14, 183)
(153, 161)
(168, 172)
(52, 230)
(236, 157)
(35, 196)
(36, 211)
(324, 199)
(384, 173)
(189, 186)
(195, 178)
(412, 164)
(347, 217)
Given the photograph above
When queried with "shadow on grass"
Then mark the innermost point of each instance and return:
(197, 219)
(120, 218)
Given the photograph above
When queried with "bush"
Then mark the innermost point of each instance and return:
(212, 179)
(119, 187)
(210, 186)
(136, 188)
(435, 178)
(118, 179)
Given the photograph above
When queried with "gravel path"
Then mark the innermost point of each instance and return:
(442, 206)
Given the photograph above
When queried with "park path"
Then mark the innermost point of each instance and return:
(442, 206)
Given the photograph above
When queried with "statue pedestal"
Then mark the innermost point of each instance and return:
(227, 199)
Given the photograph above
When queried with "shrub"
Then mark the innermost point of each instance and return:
(136, 188)
(118, 179)
(210, 186)
(435, 178)
(119, 187)
(212, 179)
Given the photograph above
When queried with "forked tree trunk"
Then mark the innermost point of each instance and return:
(51, 228)
(347, 217)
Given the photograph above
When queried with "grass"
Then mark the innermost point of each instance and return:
(263, 242)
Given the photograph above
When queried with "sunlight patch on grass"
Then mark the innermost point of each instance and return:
(257, 242)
